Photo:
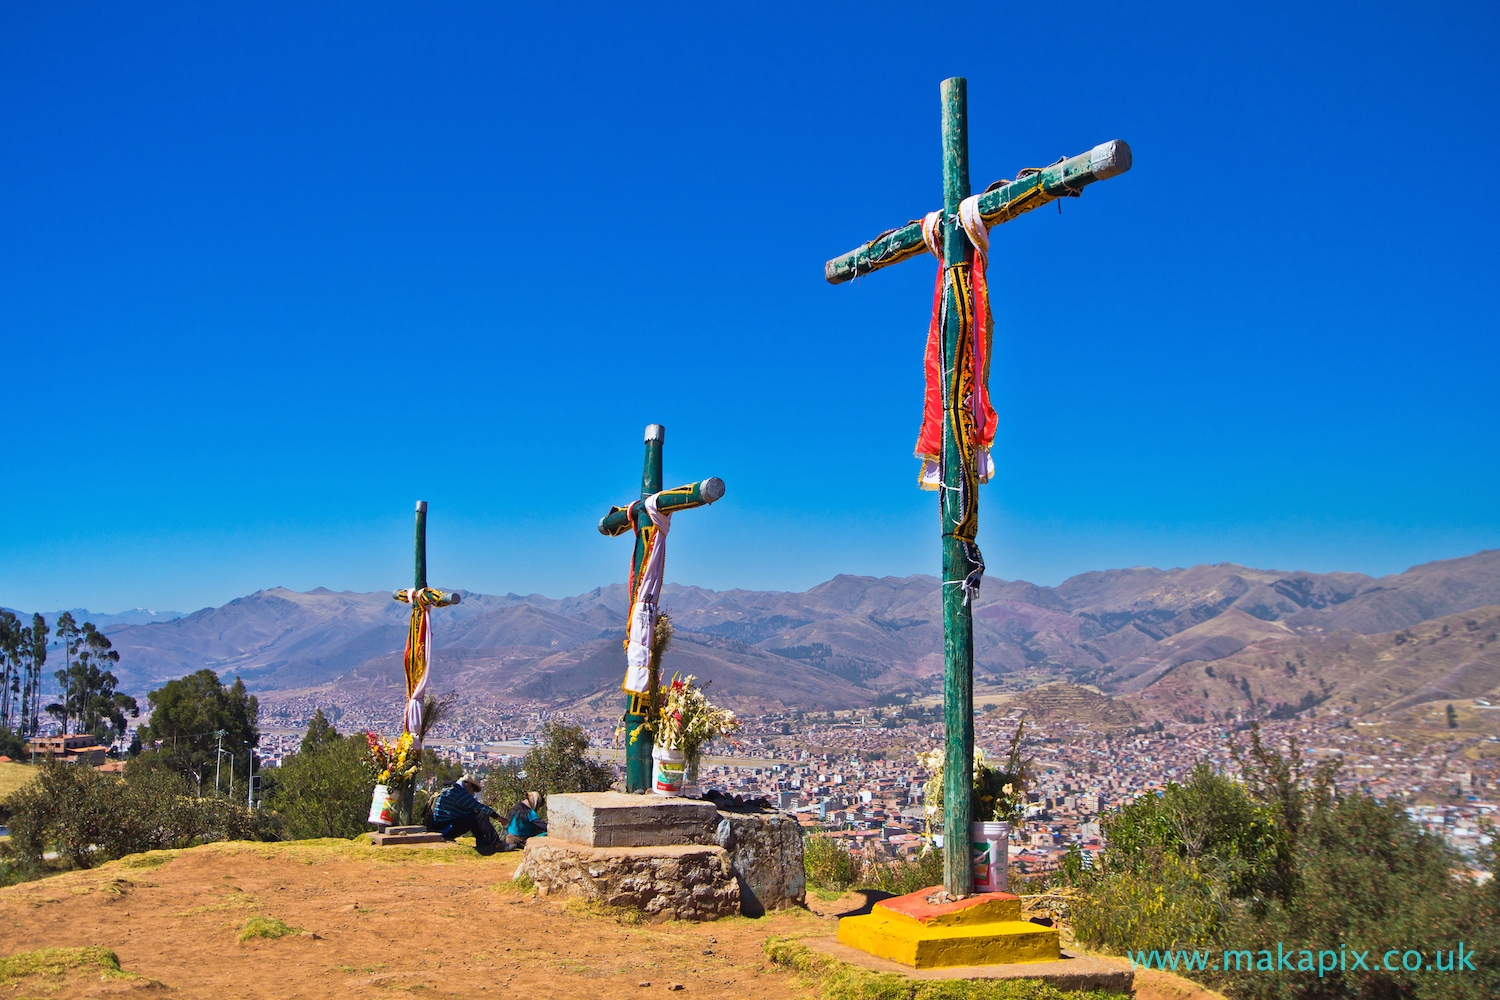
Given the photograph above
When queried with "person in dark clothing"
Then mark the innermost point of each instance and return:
(456, 812)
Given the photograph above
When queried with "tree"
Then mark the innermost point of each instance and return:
(559, 763)
(36, 658)
(67, 632)
(11, 643)
(187, 715)
(89, 695)
(323, 790)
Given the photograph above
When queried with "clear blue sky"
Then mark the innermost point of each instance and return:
(271, 272)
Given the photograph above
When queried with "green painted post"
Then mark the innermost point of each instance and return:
(958, 481)
(958, 506)
(421, 548)
(638, 707)
(419, 580)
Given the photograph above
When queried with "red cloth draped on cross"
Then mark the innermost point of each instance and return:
(972, 372)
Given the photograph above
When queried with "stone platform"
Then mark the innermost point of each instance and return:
(663, 881)
(614, 819)
(652, 853)
(983, 929)
(398, 836)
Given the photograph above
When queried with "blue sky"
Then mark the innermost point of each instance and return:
(270, 273)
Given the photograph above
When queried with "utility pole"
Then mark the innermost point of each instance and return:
(218, 752)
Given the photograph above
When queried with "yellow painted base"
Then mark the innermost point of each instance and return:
(997, 937)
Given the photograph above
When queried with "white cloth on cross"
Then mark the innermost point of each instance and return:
(643, 614)
(973, 223)
(932, 233)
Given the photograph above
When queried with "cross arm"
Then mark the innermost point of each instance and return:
(1000, 203)
(617, 521)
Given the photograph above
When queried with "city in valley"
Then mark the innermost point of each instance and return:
(855, 774)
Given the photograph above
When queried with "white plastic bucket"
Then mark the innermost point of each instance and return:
(383, 806)
(990, 851)
(666, 776)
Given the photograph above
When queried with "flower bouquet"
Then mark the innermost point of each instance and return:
(684, 722)
(392, 766)
(999, 792)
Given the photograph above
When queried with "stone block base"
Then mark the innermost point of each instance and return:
(670, 882)
(766, 851)
(404, 839)
(985, 929)
(614, 819)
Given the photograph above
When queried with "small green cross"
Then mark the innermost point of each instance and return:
(636, 517)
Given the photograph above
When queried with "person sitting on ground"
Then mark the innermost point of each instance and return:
(524, 822)
(456, 812)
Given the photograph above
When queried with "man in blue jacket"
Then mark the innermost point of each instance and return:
(456, 812)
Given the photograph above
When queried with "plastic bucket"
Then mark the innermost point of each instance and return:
(989, 848)
(383, 806)
(666, 776)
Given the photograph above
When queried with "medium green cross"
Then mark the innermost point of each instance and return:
(958, 505)
(639, 706)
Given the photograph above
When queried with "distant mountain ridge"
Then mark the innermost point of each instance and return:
(850, 641)
(103, 620)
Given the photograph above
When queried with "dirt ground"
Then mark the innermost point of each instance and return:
(431, 921)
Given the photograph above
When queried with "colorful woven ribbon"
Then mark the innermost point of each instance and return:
(418, 651)
(968, 374)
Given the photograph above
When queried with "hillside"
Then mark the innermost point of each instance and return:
(1447, 658)
(847, 642)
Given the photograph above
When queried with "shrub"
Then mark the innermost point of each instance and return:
(903, 875)
(92, 817)
(324, 790)
(828, 863)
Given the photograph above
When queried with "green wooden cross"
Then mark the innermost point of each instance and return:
(639, 706)
(418, 638)
(958, 503)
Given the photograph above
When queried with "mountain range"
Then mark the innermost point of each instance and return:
(1188, 642)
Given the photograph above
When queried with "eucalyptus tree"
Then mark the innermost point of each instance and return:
(89, 688)
(36, 658)
(11, 643)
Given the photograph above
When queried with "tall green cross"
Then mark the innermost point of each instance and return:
(958, 501)
(416, 663)
(644, 587)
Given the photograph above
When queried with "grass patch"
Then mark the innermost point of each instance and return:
(149, 859)
(266, 927)
(58, 961)
(579, 907)
(837, 980)
(14, 776)
(523, 883)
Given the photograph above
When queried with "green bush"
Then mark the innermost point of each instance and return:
(322, 791)
(828, 863)
(903, 875)
(90, 817)
(1280, 862)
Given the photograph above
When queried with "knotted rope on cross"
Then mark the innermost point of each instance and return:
(419, 650)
